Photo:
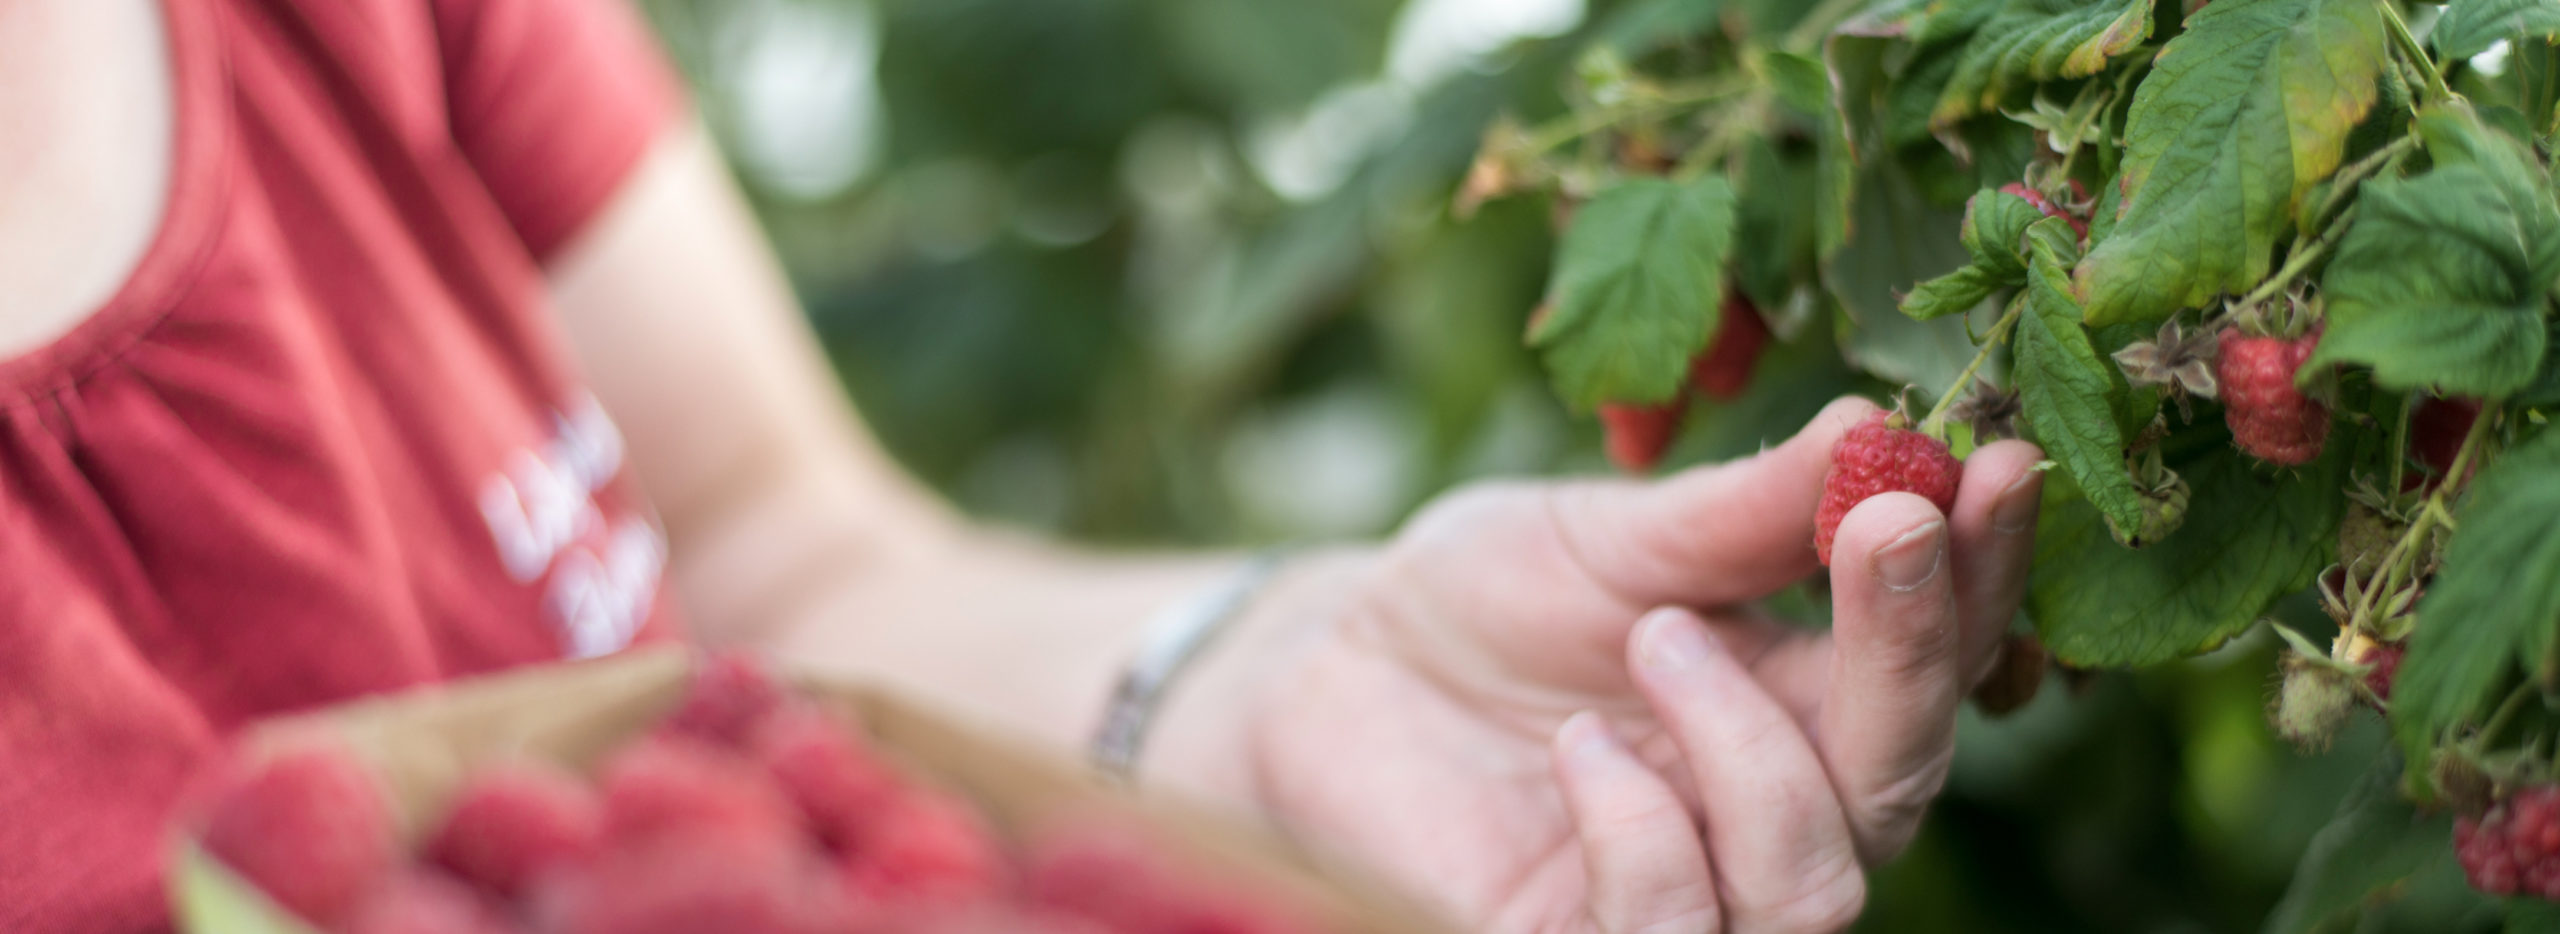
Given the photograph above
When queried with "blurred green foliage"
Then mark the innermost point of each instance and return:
(1072, 278)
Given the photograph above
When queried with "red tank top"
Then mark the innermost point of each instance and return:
(325, 441)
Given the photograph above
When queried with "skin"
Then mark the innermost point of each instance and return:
(1543, 706)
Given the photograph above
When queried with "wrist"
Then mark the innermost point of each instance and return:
(1203, 743)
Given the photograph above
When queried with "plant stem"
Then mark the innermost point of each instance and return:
(2417, 55)
(2295, 263)
(1570, 127)
(2353, 176)
(2506, 711)
(1818, 23)
(2403, 556)
(1932, 424)
(1737, 125)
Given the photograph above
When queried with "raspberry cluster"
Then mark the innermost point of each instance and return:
(1638, 433)
(2514, 849)
(2269, 417)
(1876, 458)
(749, 810)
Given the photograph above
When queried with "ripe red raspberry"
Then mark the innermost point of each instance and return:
(839, 785)
(1875, 458)
(420, 902)
(513, 822)
(926, 847)
(1638, 434)
(2514, 849)
(308, 827)
(2079, 225)
(698, 879)
(730, 693)
(1119, 881)
(665, 783)
(1724, 371)
(2436, 430)
(2269, 418)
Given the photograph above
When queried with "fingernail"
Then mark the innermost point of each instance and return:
(2015, 512)
(1585, 736)
(1673, 643)
(1913, 559)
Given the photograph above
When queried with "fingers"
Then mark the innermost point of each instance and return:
(1647, 867)
(1994, 529)
(1709, 535)
(1887, 726)
(1777, 838)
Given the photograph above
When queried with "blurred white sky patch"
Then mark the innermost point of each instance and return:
(1336, 464)
(1436, 38)
(804, 92)
(2493, 62)
(1306, 155)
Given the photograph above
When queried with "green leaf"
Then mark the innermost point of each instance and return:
(1897, 238)
(2241, 115)
(1952, 294)
(1994, 224)
(1638, 279)
(2494, 603)
(2067, 390)
(2526, 915)
(1800, 81)
(2376, 842)
(2032, 41)
(1769, 214)
(2441, 282)
(2249, 538)
(2470, 27)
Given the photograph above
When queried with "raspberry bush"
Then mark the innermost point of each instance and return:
(2270, 281)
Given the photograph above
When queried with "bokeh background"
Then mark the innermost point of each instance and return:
(1182, 272)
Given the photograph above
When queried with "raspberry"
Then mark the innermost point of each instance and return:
(2364, 538)
(419, 902)
(697, 879)
(665, 783)
(308, 827)
(2436, 430)
(513, 822)
(2269, 418)
(1725, 369)
(814, 757)
(927, 847)
(1638, 434)
(2079, 225)
(1876, 458)
(2514, 849)
(730, 693)
(1118, 881)
(2312, 701)
(2385, 659)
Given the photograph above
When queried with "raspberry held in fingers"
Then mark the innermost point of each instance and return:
(1876, 458)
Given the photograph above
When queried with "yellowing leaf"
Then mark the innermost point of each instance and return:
(2241, 115)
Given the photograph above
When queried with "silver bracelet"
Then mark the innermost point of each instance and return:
(1172, 640)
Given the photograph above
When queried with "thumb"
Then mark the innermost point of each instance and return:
(1714, 534)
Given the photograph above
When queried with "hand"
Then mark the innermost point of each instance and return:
(1529, 705)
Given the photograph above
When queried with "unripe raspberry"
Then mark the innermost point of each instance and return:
(2364, 537)
(1876, 458)
(1724, 370)
(2269, 418)
(2312, 702)
(1638, 434)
